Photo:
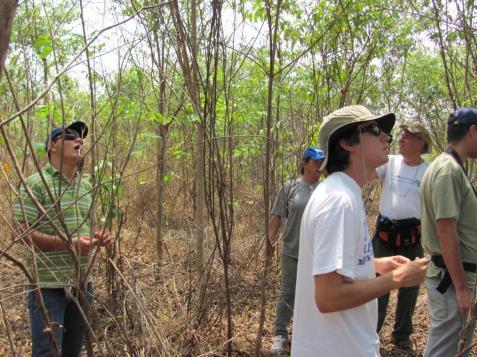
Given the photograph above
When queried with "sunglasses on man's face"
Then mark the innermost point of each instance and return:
(68, 136)
(375, 130)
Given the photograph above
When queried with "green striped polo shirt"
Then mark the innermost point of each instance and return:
(68, 208)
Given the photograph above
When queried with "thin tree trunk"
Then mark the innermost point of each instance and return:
(200, 158)
(442, 51)
(190, 71)
(200, 165)
(162, 130)
(94, 152)
(199, 217)
(273, 30)
(8, 9)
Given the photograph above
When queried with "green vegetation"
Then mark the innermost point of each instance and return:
(197, 112)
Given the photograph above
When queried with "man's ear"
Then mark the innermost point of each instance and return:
(346, 146)
(473, 130)
(52, 147)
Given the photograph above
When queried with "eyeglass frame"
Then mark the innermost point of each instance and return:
(375, 130)
(68, 135)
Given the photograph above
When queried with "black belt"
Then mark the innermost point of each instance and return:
(446, 281)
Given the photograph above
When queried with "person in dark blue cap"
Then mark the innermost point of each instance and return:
(289, 205)
(52, 218)
(70, 132)
(449, 236)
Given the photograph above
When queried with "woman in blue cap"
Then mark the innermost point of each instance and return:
(289, 206)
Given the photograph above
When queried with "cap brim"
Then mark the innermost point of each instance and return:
(80, 127)
(411, 130)
(385, 121)
(316, 157)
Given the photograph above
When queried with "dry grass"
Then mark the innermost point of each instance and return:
(157, 306)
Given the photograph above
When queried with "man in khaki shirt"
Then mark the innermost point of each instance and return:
(449, 235)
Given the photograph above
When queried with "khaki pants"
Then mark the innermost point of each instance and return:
(285, 303)
(445, 321)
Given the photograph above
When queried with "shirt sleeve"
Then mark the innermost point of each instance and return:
(446, 196)
(335, 238)
(280, 207)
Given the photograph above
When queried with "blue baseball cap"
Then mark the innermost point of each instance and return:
(313, 153)
(78, 126)
(463, 116)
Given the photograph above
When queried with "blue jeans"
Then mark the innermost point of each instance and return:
(66, 320)
(287, 295)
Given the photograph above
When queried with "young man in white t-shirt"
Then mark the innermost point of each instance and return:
(335, 304)
(398, 226)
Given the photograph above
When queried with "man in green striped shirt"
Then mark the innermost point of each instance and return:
(53, 213)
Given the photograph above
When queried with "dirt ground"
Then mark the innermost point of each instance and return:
(15, 313)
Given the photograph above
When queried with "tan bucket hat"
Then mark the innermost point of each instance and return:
(420, 131)
(342, 119)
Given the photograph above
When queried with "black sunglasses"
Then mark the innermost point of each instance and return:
(68, 136)
(375, 130)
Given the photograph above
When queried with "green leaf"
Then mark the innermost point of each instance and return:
(188, 108)
(41, 112)
(139, 74)
(153, 117)
(43, 46)
(178, 153)
(40, 150)
(137, 150)
(156, 117)
(452, 36)
(194, 118)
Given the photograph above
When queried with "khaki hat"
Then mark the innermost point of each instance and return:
(344, 118)
(420, 131)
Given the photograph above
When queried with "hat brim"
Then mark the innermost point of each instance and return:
(385, 121)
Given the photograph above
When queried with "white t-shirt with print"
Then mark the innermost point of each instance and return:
(334, 236)
(401, 195)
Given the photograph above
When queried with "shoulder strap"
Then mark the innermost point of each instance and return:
(456, 157)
